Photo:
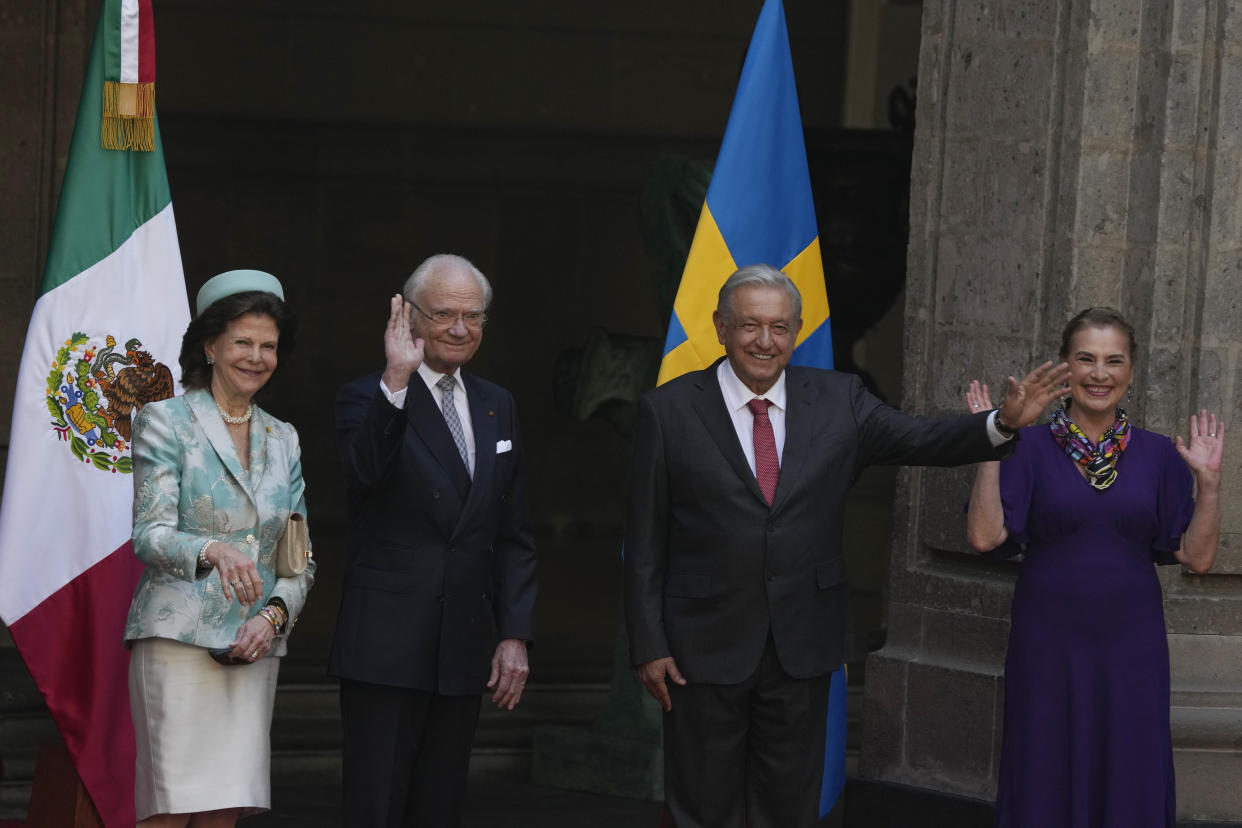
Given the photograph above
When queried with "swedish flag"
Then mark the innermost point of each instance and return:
(759, 209)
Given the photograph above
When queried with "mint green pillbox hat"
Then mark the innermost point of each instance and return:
(236, 281)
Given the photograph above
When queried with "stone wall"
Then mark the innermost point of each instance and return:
(1068, 153)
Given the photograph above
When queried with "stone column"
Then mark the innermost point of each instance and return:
(1068, 153)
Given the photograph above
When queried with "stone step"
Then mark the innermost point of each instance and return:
(306, 735)
(307, 716)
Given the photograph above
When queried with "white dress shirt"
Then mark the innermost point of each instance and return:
(737, 395)
(431, 377)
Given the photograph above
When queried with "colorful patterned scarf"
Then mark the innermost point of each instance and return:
(1100, 460)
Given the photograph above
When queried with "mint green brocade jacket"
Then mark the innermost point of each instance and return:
(189, 486)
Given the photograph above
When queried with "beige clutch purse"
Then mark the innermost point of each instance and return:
(293, 548)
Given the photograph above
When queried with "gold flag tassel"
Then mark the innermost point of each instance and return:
(128, 116)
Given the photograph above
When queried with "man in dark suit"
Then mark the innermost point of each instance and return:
(734, 571)
(439, 590)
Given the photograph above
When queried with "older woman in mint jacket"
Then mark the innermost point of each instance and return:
(215, 480)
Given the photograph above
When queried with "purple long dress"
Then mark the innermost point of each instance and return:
(1087, 741)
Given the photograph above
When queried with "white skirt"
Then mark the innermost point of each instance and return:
(202, 730)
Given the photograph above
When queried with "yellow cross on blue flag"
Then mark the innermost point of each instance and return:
(759, 209)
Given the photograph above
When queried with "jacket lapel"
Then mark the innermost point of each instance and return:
(203, 408)
(428, 423)
(483, 423)
(799, 404)
(709, 404)
(260, 431)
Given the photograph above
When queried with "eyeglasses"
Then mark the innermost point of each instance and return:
(777, 330)
(474, 320)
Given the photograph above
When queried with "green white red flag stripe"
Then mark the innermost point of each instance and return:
(103, 334)
(74, 495)
(130, 41)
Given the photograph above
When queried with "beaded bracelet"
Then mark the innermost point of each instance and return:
(274, 616)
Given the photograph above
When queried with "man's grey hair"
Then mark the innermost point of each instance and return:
(444, 263)
(761, 275)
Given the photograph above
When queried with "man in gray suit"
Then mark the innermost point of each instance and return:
(734, 568)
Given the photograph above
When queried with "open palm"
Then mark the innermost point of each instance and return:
(1026, 400)
(401, 350)
(1207, 443)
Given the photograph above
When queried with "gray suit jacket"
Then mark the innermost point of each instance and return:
(710, 568)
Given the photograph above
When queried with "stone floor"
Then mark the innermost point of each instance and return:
(494, 803)
(505, 802)
(508, 802)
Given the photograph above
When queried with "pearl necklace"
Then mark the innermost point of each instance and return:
(231, 420)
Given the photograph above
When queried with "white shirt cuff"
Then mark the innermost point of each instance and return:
(994, 434)
(398, 399)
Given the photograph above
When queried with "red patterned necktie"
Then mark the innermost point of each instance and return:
(767, 467)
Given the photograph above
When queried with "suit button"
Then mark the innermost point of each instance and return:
(771, 576)
(452, 548)
(440, 598)
(436, 494)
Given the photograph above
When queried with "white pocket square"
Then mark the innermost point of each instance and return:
(504, 445)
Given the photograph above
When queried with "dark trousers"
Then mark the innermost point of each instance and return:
(406, 756)
(747, 755)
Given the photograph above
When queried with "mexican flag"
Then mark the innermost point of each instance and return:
(103, 341)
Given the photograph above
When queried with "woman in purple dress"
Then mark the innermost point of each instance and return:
(1092, 502)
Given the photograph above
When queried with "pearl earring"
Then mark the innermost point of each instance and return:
(210, 361)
